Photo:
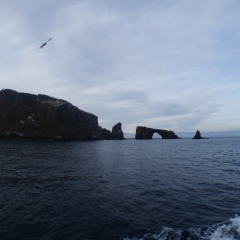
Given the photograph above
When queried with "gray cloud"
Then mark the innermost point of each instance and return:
(165, 64)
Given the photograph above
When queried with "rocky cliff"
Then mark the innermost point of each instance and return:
(28, 116)
(147, 133)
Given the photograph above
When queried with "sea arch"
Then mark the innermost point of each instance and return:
(147, 133)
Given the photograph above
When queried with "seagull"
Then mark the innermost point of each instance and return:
(46, 42)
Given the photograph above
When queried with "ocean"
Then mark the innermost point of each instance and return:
(128, 190)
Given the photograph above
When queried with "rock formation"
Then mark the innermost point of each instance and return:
(198, 135)
(28, 116)
(147, 133)
(103, 133)
(117, 133)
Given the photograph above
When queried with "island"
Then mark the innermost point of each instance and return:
(41, 117)
(147, 133)
(29, 116)
(198, 135)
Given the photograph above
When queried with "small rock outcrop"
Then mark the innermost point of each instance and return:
(198, 135)
(117, 133)
(147, 133)
(29, 116)
(103, 134)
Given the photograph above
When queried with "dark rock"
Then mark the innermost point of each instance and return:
(120, 135)
(103, 133)
(107, 134)
(117, 133)
(147, 133)
(28, 116)
(198, 135)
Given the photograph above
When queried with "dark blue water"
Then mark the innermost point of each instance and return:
(132, 189)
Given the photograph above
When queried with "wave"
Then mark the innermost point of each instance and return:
(229, 230)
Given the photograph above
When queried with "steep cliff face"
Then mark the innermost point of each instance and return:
(147, 133)
(28, 116)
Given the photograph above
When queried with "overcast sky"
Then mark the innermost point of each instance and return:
(164, 64)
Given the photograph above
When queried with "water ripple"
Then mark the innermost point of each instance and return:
(129, 189)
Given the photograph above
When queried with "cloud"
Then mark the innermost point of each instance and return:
(160, 64)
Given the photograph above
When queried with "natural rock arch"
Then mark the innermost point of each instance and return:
(147, 133)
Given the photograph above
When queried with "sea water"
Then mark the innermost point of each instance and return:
(128, 190)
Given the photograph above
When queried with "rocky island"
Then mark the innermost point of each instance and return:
(29, 116)
(41, 117)
(147, 133)
(198, 135)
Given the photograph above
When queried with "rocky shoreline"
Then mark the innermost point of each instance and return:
(41, 117)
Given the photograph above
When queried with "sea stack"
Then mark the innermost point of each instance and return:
(198, 135)
(117, 133)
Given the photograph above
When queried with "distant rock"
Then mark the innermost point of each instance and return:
(29, 116)
(198, 135)
(117, 133)
(147, 133)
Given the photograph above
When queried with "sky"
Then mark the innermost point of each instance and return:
(171, 65)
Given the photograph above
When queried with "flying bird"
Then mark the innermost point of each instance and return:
(46, 42)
